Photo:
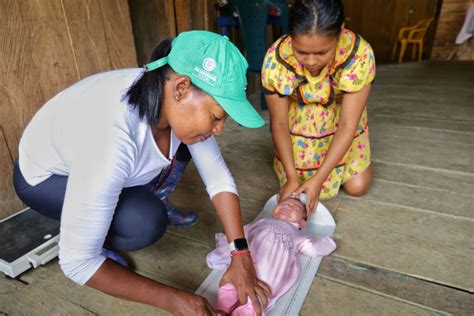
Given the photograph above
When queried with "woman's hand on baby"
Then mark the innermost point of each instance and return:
(291, 185)
(241, 274)
(311, 188)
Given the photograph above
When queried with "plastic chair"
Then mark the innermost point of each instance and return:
(415, 36)
(253, 17)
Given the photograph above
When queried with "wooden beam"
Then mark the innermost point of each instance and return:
(183, 15)
(171, 17)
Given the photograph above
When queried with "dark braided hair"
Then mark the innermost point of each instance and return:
(322, 17)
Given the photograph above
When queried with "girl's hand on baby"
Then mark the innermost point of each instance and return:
(241, 274)
(288, 188)
(311, 188)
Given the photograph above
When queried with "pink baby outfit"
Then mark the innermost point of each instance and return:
(274, 245)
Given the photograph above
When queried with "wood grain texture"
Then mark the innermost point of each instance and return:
(88, 39)
(198, 11)
(34, 301)
(36, 62)
(329, 297)
(155, 20)
(152, 22)
(419, 244)
(203, 15)
(422, 198)
(58, 290)
(9, 202)
(48, 45)
(443, 181)
(183, 15)
(118, 33)
(180, 262)
(171, 17)
(450, 22)
(397, 285)
(195, 15)
(379, 21)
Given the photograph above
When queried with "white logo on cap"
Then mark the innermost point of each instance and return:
(209, 64)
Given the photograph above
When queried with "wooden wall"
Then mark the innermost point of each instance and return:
(155, 20)
(451, 19)
(46, 45)
(379, 21)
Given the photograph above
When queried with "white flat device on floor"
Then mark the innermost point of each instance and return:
(321, 224)
(27, 240)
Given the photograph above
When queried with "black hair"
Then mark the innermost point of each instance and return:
(147, 91)
(323, 17)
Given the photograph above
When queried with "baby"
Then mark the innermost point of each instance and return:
(274, 243)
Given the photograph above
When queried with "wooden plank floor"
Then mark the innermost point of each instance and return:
(406, 248)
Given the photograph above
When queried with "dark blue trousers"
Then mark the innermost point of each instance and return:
(140, 218)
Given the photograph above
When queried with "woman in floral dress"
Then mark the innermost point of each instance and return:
(317, 80)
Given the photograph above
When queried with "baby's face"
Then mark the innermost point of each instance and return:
(290, 210)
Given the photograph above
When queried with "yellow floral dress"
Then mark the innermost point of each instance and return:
(316, 104)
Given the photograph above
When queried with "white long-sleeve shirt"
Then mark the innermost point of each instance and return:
(90, 134)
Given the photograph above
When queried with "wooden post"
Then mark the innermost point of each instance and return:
(183, 15)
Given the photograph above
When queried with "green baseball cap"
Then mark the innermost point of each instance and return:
(217, 67)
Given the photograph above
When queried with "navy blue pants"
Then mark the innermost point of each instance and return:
(140, 218)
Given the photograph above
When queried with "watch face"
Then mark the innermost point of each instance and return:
(241, 244)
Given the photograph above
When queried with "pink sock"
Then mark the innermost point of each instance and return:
(244, 310)
(227, 298)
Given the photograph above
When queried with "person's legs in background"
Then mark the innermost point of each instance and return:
(166, 183)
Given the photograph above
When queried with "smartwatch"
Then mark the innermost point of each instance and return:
(239, 244)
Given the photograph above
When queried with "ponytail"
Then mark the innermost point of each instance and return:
(146, 93)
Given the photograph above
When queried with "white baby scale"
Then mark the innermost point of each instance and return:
(321, 224)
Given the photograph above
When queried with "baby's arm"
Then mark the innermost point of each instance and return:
(219, 258)
(313, 247)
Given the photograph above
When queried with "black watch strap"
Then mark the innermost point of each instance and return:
(238, 244)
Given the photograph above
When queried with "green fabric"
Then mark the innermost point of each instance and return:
(217, 67)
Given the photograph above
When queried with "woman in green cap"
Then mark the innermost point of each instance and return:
(102, 155)
(317, 81)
